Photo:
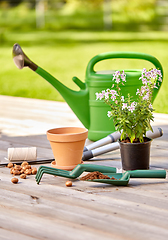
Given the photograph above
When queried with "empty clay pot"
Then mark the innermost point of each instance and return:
(67, 144)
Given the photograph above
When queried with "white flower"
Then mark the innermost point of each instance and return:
(118, 76)
(143, 90)
(159, 73)
(97, 95)
(155, 86)
(113, 92)
(123, 76)
(106, 95)
(144, 70)
(138, 92)
(113, 97)
(117, 80)
(146, 97)
(131, 108)
(124, 105)
(160, 79)
(109, 114)
(144, 81)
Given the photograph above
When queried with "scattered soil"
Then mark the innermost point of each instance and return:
(95, 175)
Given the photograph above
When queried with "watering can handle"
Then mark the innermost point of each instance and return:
(131, 55)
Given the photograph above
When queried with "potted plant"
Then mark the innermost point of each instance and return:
(132, 117)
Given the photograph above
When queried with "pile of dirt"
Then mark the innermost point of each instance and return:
(95, 175)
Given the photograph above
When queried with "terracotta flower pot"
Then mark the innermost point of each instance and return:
(67, 144)
(135, 155)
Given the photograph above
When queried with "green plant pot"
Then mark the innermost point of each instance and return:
(135, 155)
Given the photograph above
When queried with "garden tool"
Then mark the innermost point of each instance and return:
(34, 162)
(92, 113)
(88, 154)
(118, 178)
(76, 172)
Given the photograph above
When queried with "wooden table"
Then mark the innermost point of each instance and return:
(87, 210)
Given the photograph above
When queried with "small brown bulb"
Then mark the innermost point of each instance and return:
(22, 171)
(14, 180)
(24, 163)
(68, 184)
(28, 171)
(17, 167)
(16, 172)
(26, 167)
(10, 165)
(34, 170)
(23, 176)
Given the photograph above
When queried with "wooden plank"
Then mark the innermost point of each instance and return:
(8, 235)
(95, 211)
(36, 110)
(63, 203)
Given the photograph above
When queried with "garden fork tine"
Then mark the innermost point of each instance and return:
(48, 169)
(44, 171)
(41, 168)
(52, 171)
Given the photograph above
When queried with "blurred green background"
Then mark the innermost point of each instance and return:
(62, 36)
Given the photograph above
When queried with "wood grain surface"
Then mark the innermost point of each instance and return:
(86, 210)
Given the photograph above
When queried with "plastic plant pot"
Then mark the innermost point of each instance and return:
(135, 156)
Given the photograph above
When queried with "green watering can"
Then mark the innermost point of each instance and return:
(92, 113)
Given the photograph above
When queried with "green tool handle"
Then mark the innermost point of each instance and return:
(80, 168)
(132, 55)
(147, 173)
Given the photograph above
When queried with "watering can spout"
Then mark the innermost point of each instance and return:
(21, 60)
(77, 100)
